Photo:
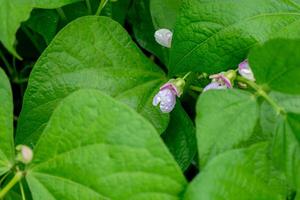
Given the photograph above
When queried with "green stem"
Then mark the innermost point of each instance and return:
(32, 39)
(88, 5)
(186, 75)
(262, 93)
(4, 177)
(62, 15)
(101, 6)
(18, 176)
(22, 190)
(196, 88)
(6, 63)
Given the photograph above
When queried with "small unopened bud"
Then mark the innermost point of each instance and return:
(24, 154)
(164, 37)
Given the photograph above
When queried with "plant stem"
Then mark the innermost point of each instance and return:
(196, 88)
(88, 5)
(32, 39)
(262, 93)
(22, 190)
(101, 6)
(6, 63)
(4, 177)
(62, 15)
(186, 75)
(18, 176)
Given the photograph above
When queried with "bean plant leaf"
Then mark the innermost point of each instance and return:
(180, 137)
(6, 124)
(91, 52)
(286, 148)
(268, 117)
(164, 13)
(239, 174)
(13, 12)
(213, 36)
(97, 148)
(225, 120)
(276, 65)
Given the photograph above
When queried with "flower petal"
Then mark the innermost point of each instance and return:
(164, 37)
(214, 86)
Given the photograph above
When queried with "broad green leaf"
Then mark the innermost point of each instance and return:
(91, 52)
(215, 35)
(286, 148)
(13, 12)
(180, 137)
(6, 124)
(164, 13)
(44, 22)
(240, 174)
(269, 118)
(225, 120)
(143, 29)
(276, 65)
(97, 148)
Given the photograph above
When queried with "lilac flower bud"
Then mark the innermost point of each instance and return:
(25, 154)
(245, 70)
(164, 37)
(166, 96)
(220, 81)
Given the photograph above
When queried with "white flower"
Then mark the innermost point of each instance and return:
(166, 96)
(245, 70)
(219, 81)
(164, 37)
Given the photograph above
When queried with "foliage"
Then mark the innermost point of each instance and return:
(78, 97)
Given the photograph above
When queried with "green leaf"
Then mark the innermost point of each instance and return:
(241, 174)
(282, 56)
(180, 137)
(97, 148)
(212, 36)
(120, 10)
(91, 52)
(6, 124)
(44, 22)
(286, 148)
(13, 12)
(225, 120)
(143, 29)
(164, 13)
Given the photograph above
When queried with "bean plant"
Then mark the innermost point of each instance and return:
(150, 99)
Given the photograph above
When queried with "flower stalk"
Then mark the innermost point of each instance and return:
(18, 176)
(262, 93)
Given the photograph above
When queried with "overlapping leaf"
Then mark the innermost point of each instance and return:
(13, 12)
(214, 35)
(276, 65)
(180, 137)
(6, 124)
(225, 119)
(239, 175)
(91, 52)
(97, 148)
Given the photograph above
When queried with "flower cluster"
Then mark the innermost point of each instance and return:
(166, 97)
